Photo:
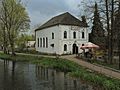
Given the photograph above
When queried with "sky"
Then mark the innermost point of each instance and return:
(42, 10)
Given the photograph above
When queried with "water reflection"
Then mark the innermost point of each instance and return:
(25, 76)
(55, 80)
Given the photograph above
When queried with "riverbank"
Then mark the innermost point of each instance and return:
(72, 68)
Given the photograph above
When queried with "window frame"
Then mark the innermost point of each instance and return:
(53, 36)
(65, 47)
(43, 42)
(38, 42)
(65, 34)
(46, 42)
(74, 35)
(83, 35)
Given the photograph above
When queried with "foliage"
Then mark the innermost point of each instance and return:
(14, 19)
(97, 35)
(22, 41)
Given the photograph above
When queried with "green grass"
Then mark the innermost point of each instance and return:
(21, 58)
(72, 68)
(114, 66)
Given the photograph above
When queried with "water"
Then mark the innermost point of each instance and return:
(26, 76)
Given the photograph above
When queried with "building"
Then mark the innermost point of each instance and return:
(30, 44)
(63, 34)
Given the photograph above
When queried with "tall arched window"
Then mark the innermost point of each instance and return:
(83, 35)
(43, 42)
(52, 35)
(74, 34)
(40, 42)
(46, 42)
(65, 47)
(65, 34)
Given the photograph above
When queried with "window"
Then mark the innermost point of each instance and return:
(65, 34)
(83, 36)
(52, 45)
(38, 42)
(52, 35)
(74, 34)
(82, 44)
(43, 42)
(46, 42)
(65, 47)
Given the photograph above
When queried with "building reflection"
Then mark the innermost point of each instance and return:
(55, 80)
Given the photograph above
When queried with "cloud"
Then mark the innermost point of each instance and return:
(42, 10)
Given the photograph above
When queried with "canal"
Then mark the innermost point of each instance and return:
(26, 76)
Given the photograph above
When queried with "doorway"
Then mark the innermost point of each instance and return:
(75, 49)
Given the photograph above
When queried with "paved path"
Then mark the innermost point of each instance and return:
(93, 67)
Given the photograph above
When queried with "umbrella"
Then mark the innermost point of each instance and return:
(89, 45)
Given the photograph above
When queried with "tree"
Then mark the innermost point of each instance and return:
(22, 41)
(117, 30)
(97, 35)
(107, 10)
(15, 19)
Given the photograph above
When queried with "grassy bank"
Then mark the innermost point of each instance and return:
(21, 58)
(72, 68)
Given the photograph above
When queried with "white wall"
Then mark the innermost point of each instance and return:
(70, 40)
(59, 40)
(47, 32)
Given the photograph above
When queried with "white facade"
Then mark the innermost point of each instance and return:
(61, 43)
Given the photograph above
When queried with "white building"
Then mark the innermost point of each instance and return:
(63, 34)
(30, 44)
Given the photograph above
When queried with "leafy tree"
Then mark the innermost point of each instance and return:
(97, 35)
(14, 18)
(22, 41)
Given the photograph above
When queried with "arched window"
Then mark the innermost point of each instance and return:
(65, 34)
(52, 35)
(46, 42)
(83, 35)
(65, 47)
(43, 42)
(74, 35)
(40, 42)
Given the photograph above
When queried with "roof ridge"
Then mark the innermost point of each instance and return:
(63, 19)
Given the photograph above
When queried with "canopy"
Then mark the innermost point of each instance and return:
(89, 45)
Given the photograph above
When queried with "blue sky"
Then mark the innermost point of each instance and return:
(42, 10)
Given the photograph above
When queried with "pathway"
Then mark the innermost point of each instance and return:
(93, 67)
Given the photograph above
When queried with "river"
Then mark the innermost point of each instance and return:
(26, 76)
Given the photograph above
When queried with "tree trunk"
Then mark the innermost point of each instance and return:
(12, 49)
(111, 31)
(108, 28)
(4, 41)
(11, 41)
(119, 50)
(119, 37)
